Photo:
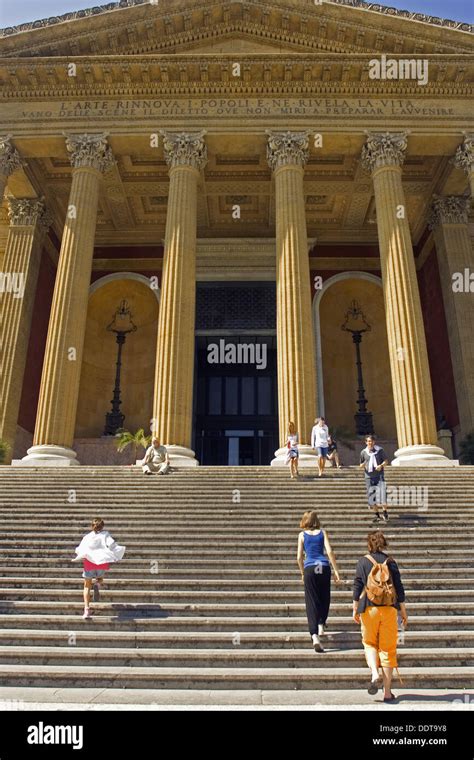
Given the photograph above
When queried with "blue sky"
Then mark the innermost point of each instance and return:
(17, 11)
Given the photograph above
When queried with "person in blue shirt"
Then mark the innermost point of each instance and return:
(314, 557)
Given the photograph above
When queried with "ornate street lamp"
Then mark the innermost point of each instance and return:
(356, 324)
(121, 325)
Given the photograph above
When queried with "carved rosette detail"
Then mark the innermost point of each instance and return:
(10, 159)
(185, 149)
(285, 148)
(26, 212)
(464, 158)
(448, 209)
(384, 149)
(90, 151)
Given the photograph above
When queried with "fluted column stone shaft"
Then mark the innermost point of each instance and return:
(449, 220)
(28, 223)
(186, 155)
(383, 156)
(56, 415)
(287, 153)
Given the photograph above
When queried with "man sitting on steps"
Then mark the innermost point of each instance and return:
(156, 459)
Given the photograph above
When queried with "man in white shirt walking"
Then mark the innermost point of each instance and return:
(319, 441)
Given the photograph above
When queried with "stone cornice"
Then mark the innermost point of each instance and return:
(160, 75)
(332, 26)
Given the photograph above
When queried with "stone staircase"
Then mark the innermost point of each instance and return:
(209, 596)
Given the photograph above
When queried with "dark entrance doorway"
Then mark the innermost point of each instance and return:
(236, 399)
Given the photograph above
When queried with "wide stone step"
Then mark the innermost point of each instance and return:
(461, 657)
(223, 678)
(212, 640)
(124, 622)
(180, 586)
(175, 609)
(206, 597)
(234, 567)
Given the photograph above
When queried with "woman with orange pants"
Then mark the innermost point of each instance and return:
(379, 621)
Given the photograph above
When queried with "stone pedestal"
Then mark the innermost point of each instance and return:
(56, 416)
(186, 155)
(287, 153)
(28, 224)
(383, 156)
(445, 441)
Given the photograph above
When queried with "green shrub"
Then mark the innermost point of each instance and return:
(4, 449)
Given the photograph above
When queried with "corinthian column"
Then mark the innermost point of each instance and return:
(464, 159)
(287, 154)
(28, 223)
(10, 161)
(383, 156)
(56, 415)
(448, 220)
(186, 155)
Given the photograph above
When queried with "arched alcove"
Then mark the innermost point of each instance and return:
(100, 354)
(335, 353)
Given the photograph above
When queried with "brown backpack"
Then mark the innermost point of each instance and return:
(379, 588)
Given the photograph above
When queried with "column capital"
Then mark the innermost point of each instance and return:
(284, 148)
(89, 150)
(10, 159)
(185, 149)
(448, 209)
(384, 149)
(26, 212)
(464, 157)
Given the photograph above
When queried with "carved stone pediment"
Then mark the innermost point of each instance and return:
(134, 27)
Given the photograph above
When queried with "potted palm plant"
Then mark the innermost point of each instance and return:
(4, 449)
(125, 438)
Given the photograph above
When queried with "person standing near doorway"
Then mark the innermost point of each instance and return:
(293, 453)
(313, 557)
(319, 441)
(373, 461)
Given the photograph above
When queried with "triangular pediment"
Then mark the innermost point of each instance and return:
(137, 27)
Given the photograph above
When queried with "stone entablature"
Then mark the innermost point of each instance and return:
(261, 75)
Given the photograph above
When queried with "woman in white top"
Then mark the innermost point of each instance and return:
(319, 441)
(293, 453)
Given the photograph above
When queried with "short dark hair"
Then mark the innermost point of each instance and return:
(376, 541)
(371, 435)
